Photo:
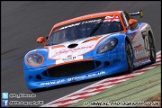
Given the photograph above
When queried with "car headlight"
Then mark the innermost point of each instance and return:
(107, 46)
(34, 59)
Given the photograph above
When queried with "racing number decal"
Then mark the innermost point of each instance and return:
(146, 41)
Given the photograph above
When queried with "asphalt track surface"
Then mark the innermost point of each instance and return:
(22, 22)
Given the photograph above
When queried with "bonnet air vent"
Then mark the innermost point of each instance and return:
(72, 45)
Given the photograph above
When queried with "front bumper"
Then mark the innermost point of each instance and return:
(104, 65)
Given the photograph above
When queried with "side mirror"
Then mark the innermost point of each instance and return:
(40, 40)
(132, 23)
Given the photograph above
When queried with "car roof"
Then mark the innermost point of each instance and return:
(85, 17)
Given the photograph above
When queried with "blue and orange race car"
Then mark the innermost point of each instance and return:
(90, 46)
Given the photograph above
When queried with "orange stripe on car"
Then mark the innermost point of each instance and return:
(93, 39)
(122, 23)
(58, 46)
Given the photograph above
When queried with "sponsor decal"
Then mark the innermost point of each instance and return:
(65, 51)
(69, 58)
(78, 77)
(138, 48)
(91, 21)
(71, 25)
(142, 62)
(86, 76)
(112, 18)
(74, 78)
(145, 38)
(77, 24)
(53, 82)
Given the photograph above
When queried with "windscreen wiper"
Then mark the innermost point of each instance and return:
(96, 27)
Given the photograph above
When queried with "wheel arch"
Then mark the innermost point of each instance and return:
(152, 36)
(129, 41)
(130, 66)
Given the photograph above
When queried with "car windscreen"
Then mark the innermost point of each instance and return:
(84, 29)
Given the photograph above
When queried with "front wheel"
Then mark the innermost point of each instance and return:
(152, 49)
(129, 54)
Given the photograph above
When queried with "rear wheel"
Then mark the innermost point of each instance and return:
(129, 54)
(152, 49)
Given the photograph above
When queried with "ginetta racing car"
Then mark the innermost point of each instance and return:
(90, 46)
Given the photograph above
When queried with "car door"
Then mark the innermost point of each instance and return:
(138, 38)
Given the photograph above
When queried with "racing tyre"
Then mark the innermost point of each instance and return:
(152, 49)
(129, 54)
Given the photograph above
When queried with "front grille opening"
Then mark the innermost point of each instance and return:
(98, 63)
(38, 77)
(30, 77)
(107, 63)
(71, 69)
(44, 73)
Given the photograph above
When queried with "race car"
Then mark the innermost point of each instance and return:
(90, 46)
